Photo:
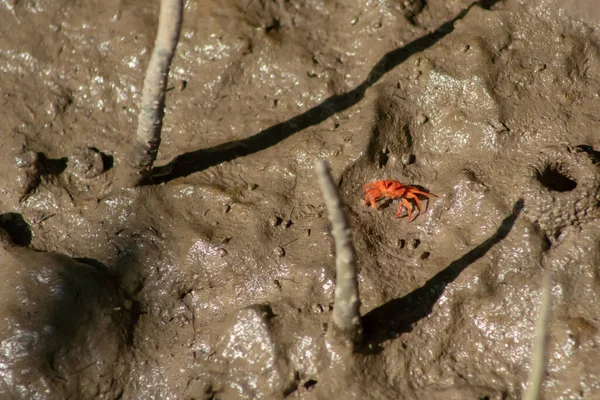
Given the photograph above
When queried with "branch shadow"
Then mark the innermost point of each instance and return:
(199, 160)
(397, 316)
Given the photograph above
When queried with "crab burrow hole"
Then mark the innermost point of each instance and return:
(554, 178)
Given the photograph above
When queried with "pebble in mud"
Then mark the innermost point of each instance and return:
(86, 163)
(222, 252)
(421, 119)
(26, 159)
(279, 251)
(408, 159)
(29, 170)
(317, 308)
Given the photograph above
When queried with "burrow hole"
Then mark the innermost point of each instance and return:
(309, 384)
(553, 179)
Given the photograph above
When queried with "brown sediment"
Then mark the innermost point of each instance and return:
(218, 280)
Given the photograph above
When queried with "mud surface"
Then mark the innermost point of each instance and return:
(216, 281)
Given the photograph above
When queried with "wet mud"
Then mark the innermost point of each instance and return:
(216, 280)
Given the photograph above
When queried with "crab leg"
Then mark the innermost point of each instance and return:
(408, 208)
(371, 198)
(372, 195)
(413, 190)
(410, 195)
(399, 212)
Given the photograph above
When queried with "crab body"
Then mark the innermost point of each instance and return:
(395, 190)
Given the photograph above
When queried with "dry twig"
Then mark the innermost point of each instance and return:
(152, 110)
(538, 359)
(346, 312)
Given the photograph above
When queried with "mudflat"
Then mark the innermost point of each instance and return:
(216, 280)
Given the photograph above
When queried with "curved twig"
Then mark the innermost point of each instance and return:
(346, 311)
(538, 358)
(152, 109)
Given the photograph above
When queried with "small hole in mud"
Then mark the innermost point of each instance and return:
(557, 234)
(52, 166)
(383, 159)
(107, 159)
(416, 243)
(425, 255)
(487, 4)
(273, 27)
(553, 179)
(401, 243)
(16, 227)
(309, 384)
(484, 398)
(291, 389)
(546, 243)
(92, 262)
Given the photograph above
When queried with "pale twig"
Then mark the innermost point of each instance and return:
(152, 109)
(538, 359)
(346, 310)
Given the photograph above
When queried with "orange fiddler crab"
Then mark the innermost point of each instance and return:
(394, 190)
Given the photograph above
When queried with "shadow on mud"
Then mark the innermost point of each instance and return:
(66, 320)
(198, 160)
(398, 315)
